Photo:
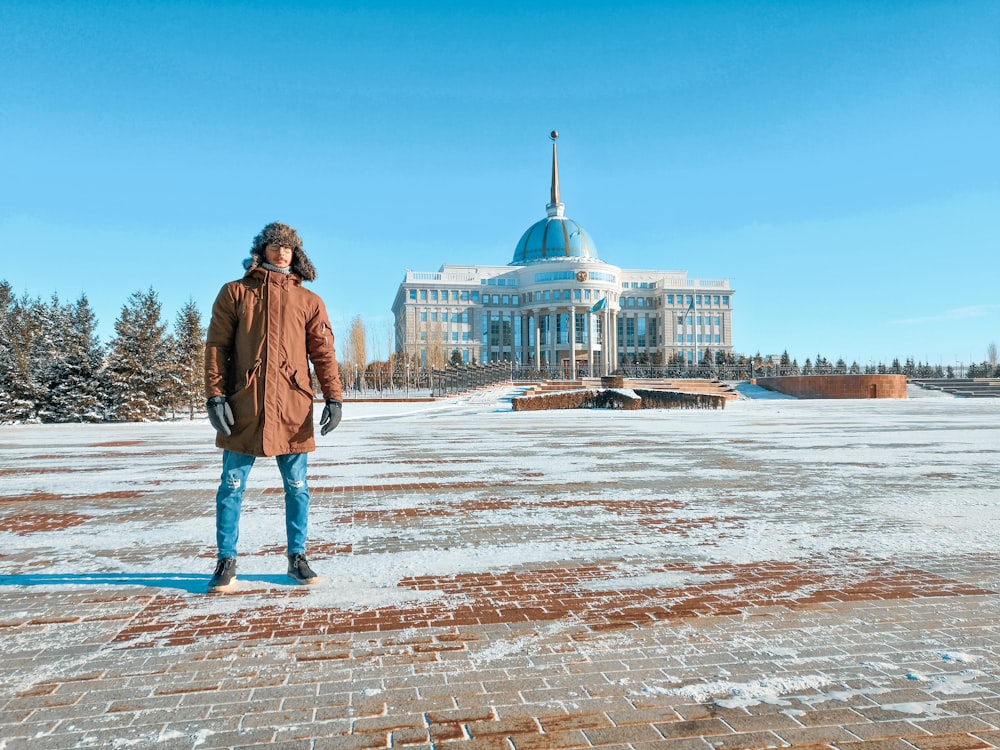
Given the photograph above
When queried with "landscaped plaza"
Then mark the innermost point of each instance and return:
(776, 573)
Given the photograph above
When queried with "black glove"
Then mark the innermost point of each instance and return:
(220, 415)
(330, 418)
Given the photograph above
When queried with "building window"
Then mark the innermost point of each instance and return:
(475, 296)
(725, 300)
(454, 295)
(413, 295)
(715, 300)
(670, 299)
(423, 316)
(506, 299)
(423, 295)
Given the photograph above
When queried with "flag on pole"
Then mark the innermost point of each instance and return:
(599, 305)
(691, 305)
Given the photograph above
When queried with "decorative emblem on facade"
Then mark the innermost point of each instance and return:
(581, 276)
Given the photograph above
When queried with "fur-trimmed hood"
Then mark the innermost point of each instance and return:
(284, 235)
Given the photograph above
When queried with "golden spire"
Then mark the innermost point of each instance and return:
(554, 135)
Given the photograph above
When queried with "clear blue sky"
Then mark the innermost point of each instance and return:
(838, 161)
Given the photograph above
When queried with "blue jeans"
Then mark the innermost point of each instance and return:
(229, 500)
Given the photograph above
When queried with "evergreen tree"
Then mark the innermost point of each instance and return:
(784, 364)
(188, 366)
(139, 361)
(8, 369)
(74, 372)
(22, 329)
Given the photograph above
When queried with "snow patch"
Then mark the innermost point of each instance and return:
(744, 694)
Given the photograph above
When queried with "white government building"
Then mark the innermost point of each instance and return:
(558, 303)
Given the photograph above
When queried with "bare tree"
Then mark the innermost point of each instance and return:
(355, 351)
(436, 355)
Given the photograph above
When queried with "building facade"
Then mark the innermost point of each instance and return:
(559, 308)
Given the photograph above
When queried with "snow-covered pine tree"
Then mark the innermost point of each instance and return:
(7, 369)
(138, 361)
(22, 323)
(76, 388)
(189, 359)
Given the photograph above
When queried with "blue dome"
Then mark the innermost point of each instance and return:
(553, 238)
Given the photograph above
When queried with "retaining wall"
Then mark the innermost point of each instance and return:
(837, 386)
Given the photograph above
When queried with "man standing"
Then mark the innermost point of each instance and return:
(265, 329)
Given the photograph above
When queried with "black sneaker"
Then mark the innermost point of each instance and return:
(298, 568)
(225, 574)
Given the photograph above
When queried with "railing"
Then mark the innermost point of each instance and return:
(384, 383)
(405, 382)
(456, 379)
(730, 372)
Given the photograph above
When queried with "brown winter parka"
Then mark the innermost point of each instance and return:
(263, 328)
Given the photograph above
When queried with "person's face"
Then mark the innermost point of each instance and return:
(279, 256)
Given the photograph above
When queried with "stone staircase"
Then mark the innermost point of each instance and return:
(962, 387)
(682, 385)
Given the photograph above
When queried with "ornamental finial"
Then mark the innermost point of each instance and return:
(554, 135)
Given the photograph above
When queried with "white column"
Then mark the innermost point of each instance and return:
(538, 339)
(590, 343)
(572, 341)
(554, 338)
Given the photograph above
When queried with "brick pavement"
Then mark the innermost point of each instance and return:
(623, 621)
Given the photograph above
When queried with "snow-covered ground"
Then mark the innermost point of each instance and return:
(807, 478)
(913, 481)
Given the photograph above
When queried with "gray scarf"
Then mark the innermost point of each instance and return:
(269, 267)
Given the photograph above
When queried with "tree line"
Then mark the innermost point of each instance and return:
(54, 367)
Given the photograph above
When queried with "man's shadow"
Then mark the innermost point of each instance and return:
(191, 583)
